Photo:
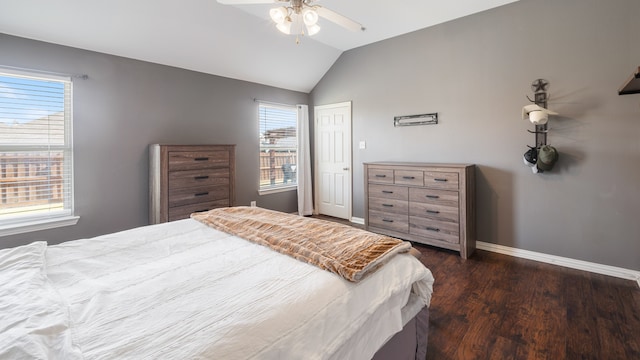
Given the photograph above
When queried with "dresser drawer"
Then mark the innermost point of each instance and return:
(438, 230)
(194, 195)
(436, 197)
(380, 176)
(389, 206)
(200, 177)
(183, 212)
(441, 180)
(190, 160)
(388, 192)
(434, 212)
(393, 222)
(408, 177)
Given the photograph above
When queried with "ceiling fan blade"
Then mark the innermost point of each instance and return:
(338, 19)
(247, 2)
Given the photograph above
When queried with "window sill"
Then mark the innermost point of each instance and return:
(278, 190)
(38, 225)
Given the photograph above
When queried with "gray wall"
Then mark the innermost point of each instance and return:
(475, 72)
(124, 106)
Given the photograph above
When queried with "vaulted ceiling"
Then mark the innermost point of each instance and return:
(237, 41)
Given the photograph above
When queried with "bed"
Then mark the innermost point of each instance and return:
(187, 290)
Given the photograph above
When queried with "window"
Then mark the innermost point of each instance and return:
(278, 147)
(36, 157)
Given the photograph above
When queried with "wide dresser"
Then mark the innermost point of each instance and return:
(184, 179)
(427, 203)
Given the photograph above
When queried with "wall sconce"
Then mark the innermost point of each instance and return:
(632, 85)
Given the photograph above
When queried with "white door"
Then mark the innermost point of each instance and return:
(333, 159)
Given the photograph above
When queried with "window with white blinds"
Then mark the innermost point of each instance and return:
(36, 158)
(278, 147)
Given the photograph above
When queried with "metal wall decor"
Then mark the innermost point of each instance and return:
(412, 120)
(539, 87)
(540, 157)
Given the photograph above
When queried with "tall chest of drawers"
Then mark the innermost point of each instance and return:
(189, 178)
(432, 204)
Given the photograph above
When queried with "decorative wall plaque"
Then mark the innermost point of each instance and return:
(412, 120)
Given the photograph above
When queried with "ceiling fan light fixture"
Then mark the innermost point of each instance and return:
(279, 14)
(309, 16)
(285, 26)
(300, 17)
(313, 29)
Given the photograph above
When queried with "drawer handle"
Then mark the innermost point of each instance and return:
(201, 159)
(201, 194)
(433, 196)
(433, 211)
(387, 220)
(378, 175)
(203, 177)
(440, 180)
(433, 229)
(387, 205)
(409, 177)
(387, 192)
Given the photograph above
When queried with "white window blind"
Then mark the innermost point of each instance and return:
(35, 148)
(278, 146)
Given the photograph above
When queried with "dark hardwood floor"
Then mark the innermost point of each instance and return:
(494, 306)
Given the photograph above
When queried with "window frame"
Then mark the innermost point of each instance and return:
(66, 216)
(272, 189)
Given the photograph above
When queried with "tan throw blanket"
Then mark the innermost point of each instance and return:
(347, 251)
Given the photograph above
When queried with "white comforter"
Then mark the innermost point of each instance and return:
(182, 290)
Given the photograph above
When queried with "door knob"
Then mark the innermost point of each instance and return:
(345, 169)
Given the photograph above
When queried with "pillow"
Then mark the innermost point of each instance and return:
(33, 318)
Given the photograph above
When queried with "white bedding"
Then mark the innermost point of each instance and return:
(182, 290)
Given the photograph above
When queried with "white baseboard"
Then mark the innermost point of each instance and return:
(562, 261)
(552, 259)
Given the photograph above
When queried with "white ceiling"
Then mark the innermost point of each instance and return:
(238, 42)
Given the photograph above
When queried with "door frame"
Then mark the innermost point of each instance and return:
(316, 145)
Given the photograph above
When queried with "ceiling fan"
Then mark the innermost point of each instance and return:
(294, 16)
